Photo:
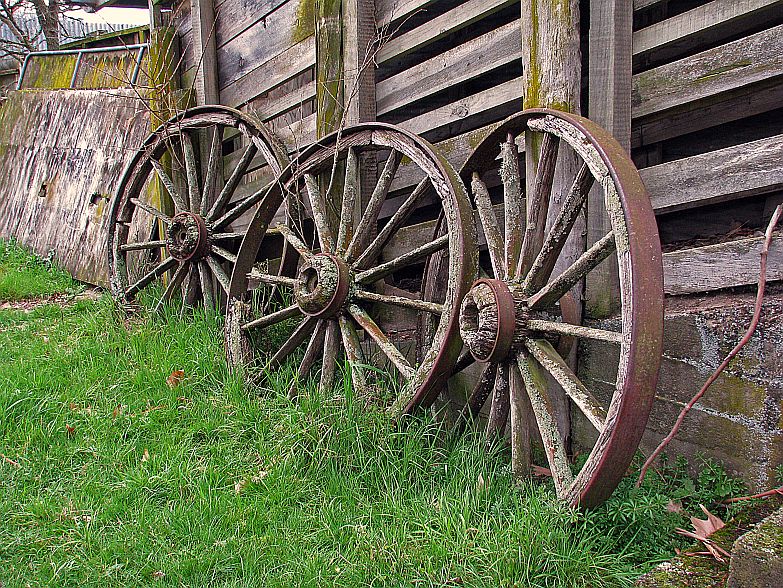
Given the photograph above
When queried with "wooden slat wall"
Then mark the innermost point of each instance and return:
(703, 81)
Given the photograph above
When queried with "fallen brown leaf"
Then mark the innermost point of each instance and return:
(118, 410)
(175, 378)
(675, 507)
(541, 472)
(69, 430)
(158, 574)
(702, 529)
(145, 456)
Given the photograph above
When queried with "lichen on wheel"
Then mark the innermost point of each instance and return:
(178, 215)
(517, 321)
(341, 260)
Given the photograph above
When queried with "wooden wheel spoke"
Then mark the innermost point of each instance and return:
(179, 200)
(320, 217)
(499, 409)
(402, 261)
(272, 318)
(220, 274)
(225, 236)
(207, 291)
(312, 350)
(188, 292)
(394, 223)
(174, 283)
(294, 240)
(478, 396)
(151, 210)
(544, 263)
(538, 203)
(265, 278)
(142, 246)
(154, 273)
(330, 355)
(536, 387)
(557, 288)
(191, 172)
(351, 198)
(296, 338)
(550, 360)
(489, 223)
(213, 164)
(384, 343)
(233, 181)
(513, 202)
(520, 423)
(569, 330)
(374, 205)
(401, 301)
(353, 352)
(241, 208)
(227, 255)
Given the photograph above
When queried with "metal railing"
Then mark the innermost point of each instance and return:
(139, 48)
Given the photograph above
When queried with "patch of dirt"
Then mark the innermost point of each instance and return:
(62, 300)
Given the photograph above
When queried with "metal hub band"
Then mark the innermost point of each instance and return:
(488, 320)
(322, 285)
(187, 237)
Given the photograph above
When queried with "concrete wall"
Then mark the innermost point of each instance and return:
(62, 153)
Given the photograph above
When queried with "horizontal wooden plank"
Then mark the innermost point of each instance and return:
(458, 18)
(639, 4)
(270, 73)
(236, 16)
(259, 44)
(457, 65)
(502, 94)
(388, 11)
(721, 69)
(741, 171)
(719, 18)
(268, 108)
(725, 265)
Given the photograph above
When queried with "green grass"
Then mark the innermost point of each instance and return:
(23, 275)
(121, 478)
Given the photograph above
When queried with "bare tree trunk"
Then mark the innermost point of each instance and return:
(49, 18)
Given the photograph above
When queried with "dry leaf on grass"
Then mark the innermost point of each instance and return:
(541, 472)
(175, 378)
(145, 456)
(158, 575)
(675, 507)
(702, 529)
(69, 430)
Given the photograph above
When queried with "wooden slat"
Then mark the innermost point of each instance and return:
(740, 171)
(458, 18)
(500, 95)
(236, 16)
(746, 61)
(270, 73)
(725, 265)
(457, 65)
(387, 11)
(699, 25)
(639, 4)
(204, 52)
(268, 108)
(259, 44)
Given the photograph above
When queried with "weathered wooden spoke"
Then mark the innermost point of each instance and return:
(147, 278)
(174, 283)
(166, 204)
(335, 261)
(273, 318)
(509, 321)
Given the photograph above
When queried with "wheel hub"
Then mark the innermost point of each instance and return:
(322, 285)
(187, 237)
(491, 319)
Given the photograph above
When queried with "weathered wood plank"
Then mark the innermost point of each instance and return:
(639, 4)
(709, 22)
(741, 171)
(497, 96)
(204, 52)
(270, 73)
(457, 65)
(285, 27)
(455, 19)
(359, 67)
(611, 30)
(236, 16)
(388, 11)
(743, 62)
(267, 108)
(725, 265)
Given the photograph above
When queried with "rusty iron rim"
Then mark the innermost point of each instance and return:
(201, 269)
(641, 312)
(423, 381)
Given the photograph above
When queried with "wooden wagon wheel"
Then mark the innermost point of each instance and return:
(171, 224)
(511, 322)
(349, 259)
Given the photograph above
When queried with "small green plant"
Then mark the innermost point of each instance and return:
(24, 274)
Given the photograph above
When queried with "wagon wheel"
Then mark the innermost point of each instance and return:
(356, 259)
(172, 225)
(511, 322)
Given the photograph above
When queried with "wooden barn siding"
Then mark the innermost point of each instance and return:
(61, 155)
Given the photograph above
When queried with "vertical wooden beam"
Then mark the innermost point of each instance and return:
(358, 62)
(551, 73)
(329, 89)
(202, 13)
(611, 48)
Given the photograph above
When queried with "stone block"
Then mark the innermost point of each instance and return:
(757, 556)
